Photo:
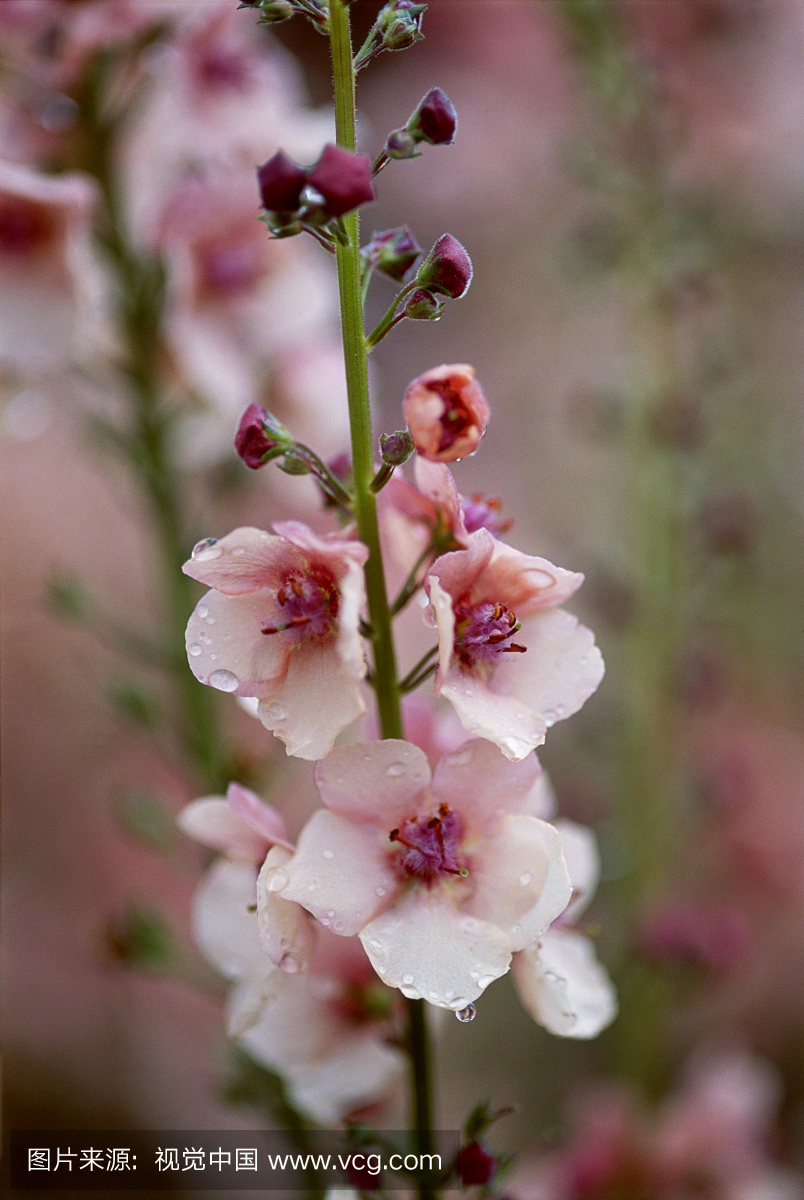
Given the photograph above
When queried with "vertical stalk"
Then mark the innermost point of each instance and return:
(385, 670)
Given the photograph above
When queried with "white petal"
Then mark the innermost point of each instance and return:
(225, 920)
(227, 649)
(563, 986)
(583, 863)
(249, 999)
(212, 822)
(561, 669)
(352, 597)
(259, 815)
(443, 617)
(480, 783)
(428, 949)
(374, 783)
(300, 1026)
(510, 723)
(245, 560)
(286, 932)
(317, 701)
(352, 1076)
(340, 873)
(520, 879)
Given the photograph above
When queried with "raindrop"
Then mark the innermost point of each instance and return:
(312, 886)
(277, 881)
(206, 550)
(550, 717)
(202, 611)
(276, 711)
(396, 769)
(290, 963)
(210, 620)
(213, 658)
(380, 891)
(560, 711)
(448, 994)
(194, 649)
(460, 758)
(485, 980)
(467, 1014)
(327, 853)
(238, 550)
(467, 691)
(525, 879)
(375, 945)
(407, 979)
(224, 681)
(325, 921)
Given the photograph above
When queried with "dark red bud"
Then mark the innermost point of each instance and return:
(393, 252)
(281, 181)
(435, 119)
(257, 435)
(343, 179)
(423, 306)
(476, 1165)
(447, 268)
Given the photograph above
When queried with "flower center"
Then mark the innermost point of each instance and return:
(309, 605)
(456, 417)
(484, 631)
(431, 845)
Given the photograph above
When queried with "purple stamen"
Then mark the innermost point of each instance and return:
(309, 604)
(483, 631)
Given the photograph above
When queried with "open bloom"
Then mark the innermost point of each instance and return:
(444, 875)
(559, 979)
(446, 412)
(510, 661)
(281, 623)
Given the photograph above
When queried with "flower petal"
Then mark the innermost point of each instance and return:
(352, 1076)
(561, 669)
(226, 648)
(482, 784)
(212, 822)
(583, 863)
(521, 882)
(507, 721)
(249, 999)
(334, 550)
(260, 816)
(442, 615)
(340, 873)
(524, 582)
(459, 570)
(563, 986)
(348, 643)
(427, 948)
(224, 923)
(375, 783)
(286, 932)
(246, 560)
(316, 702)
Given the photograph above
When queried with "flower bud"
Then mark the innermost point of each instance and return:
(447, 268)
(281, 182)
(396, 448)
(476, 1164)
(294, 463)
(393, 252)
(435, 119)
(260, 437)
(400, 23)
(342, 178)
(271, 11)
(423, 306)
(401, 144)
(446, 412)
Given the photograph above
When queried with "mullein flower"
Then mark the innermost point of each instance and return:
(446, 412)
(281, 623)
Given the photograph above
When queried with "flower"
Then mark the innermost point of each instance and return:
(281, 623)
(510, 661)
(343, 178)
(446, 412)
(444, 875)
(260, 437)
(435, 119)
(558, 978)
(447, 268)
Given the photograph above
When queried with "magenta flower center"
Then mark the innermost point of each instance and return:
(431, 845)
(309, 605)
(484, 631)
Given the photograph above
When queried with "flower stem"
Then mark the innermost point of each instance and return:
(365, 505)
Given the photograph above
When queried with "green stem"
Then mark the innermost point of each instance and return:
(389, 320)
(385, 672)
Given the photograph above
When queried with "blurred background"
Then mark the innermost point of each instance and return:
(628, 178)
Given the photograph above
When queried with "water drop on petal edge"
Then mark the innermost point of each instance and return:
(467, 1014)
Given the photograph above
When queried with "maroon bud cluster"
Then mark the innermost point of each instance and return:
(260, 437)
(341, 181)
(476, 1165)
(393, 252)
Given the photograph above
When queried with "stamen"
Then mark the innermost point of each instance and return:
(482, 631)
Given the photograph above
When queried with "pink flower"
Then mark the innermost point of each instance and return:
(559, 979)
(446, 412)
(281, 623)
(443, 875)
(510, 661)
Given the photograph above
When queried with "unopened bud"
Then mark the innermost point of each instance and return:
(260, 437)
(401, 144)
(423, 306)
(435, 119)
(294, 463)
(396, 448)
(271, 11)
(393, 252)
(447, 268)
(476, 1164)
(446, 412)
(342, 178)
(400, 24)
(281, 182)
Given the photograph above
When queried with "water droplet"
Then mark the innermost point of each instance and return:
(396, 769)
(467, 1014)
(202, 611)
(275, 711)
(194, 649)
(213, 658)
(516, 929)
(474, 974)
(238, 550)
(290, 963)
(210, 620)
(224, 681)
(206, 550)
(312, 886)
(467, 691)
(525, 878)
(327, 853)
(375, 945)
(584, 661)
(550, 717)
(338, 926)
(408, 979)
(366, 758)
(433, 995)
(325, 921)
(560, 711)
(448, 994)
(201, 678)
(380, 891)
(331, 912)
(485, 980)
(278, 880)
(460, 758)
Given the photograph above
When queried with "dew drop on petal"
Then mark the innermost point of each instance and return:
(224, 681)
(238, 550)
(202, 611)
(194, 649)
(213, 658)
(375, 945)
(206, 549)
(380, 891)
(467, 1014)
(276, 711)
(290, 963)
(525, 879)
(448, 994)
(407, 979)
(485, 980)
(327, 853)
(277, 881)
(210, 620)
(325, 921)
(550, 717)
(395, 769)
